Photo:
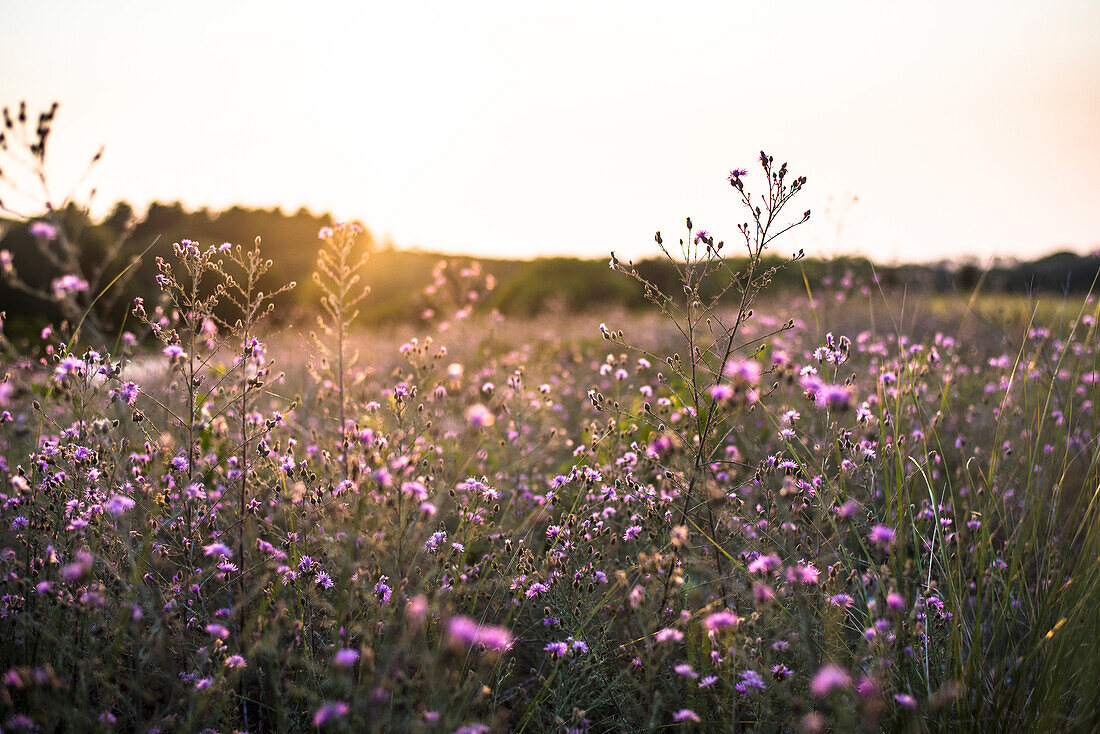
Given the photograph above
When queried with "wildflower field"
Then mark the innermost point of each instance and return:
(843, 508)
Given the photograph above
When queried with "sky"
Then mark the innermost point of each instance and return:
(927, 130)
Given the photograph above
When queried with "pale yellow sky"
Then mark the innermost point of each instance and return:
(523, 129)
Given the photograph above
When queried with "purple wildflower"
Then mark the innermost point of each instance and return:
(750, 679)
(882, 536)
(432, 544)
(557, 649)
(43, 230)
(345, 658)
(835, 397)
(218, 549)
(840, 600)
(118, 504)
(383, 590)
(128, 393)
(74, 572)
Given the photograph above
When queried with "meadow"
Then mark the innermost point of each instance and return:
(838, 507)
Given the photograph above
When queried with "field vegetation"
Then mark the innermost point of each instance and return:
(836, 506)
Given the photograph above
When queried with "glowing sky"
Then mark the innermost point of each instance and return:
(522, 129)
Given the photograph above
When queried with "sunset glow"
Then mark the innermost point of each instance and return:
(506, 129)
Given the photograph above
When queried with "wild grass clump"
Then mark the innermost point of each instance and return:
(732, 514)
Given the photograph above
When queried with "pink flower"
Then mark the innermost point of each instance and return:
(686, 670)
(417, 609)
(472, 729)
(745, 371)
(686, 715)
(67, 284)
(479, 416)
(74, 572)
(805, 574)
(466, 631)
(763, 564)
(905, 700)
(828, 679)
(721, 393)
(235, 661)
(329, 713)
(866, 687)
(762, 593)
(719, 620)
(669, 633)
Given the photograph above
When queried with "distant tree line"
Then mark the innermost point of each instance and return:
(397, 277)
